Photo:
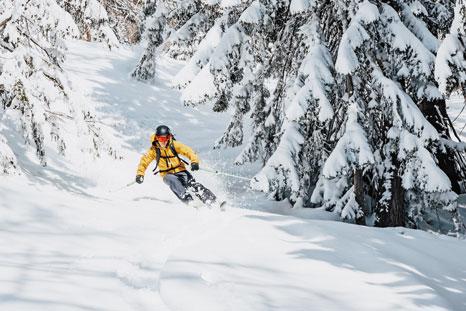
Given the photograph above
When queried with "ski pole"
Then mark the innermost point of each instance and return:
(126, 186)
(222, 173)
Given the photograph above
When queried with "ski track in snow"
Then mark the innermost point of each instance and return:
(89, 247)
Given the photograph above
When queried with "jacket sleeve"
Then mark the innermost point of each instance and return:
(146, 159)
(184, 150)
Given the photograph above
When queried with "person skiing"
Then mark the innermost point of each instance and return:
(166, 150)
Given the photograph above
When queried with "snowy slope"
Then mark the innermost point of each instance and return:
(70, 241)
(269, 262)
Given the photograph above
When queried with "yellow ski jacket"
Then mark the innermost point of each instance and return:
(169, 163)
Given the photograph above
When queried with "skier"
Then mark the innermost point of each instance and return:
(165, 150)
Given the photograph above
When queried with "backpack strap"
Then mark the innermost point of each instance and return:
(172, 147)
(158, 156)
(157, 160)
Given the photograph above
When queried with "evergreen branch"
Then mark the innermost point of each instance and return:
(458, 146)
(6, 48)
(59, 114)
(56, 82)
(2, 26)
(3, 23)
(40, 47)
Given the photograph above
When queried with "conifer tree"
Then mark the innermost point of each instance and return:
(180, 25)
(402, 176)
(92, 20)
(125, 19)
(36, 98)
(295, 166)
(450, 66)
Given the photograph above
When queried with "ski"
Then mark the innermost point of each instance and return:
(222, 205)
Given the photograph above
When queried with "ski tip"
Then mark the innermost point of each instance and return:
(222, 205)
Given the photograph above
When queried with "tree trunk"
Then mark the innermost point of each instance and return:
(397, 210)
(359, 195)
(391, 212)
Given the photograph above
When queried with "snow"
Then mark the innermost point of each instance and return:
(418, 27)
(450, 46)
(300, 6)
(200, 57)
(316, 66)
(409, 116)
(202, 87)
(70, 240)
(229, 3)
(352, 147)
(95, 10)
(403, 39)
(450, 63)
(347, 60)
(210, 2)
(8, 161)
(457, 26)
(418, 9)
(283, 158)
(355, 36)
(232, 38)
(367, 13)
(253, 14)
(426, 173)
(296, 264)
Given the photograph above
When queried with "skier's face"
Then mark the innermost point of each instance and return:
(163, 140)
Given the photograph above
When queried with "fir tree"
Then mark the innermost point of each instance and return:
(125, 19)
(92, 20)
(36, 99)
(294, 167)
(450, 66)
(402, 177)
(180, 25)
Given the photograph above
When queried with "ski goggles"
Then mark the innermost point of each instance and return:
(162, 138)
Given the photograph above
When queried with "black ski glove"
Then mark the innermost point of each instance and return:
(139, 179)
(194, 166)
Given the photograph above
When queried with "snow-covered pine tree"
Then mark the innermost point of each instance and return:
(294, 167)
(179, 25)
(183, 41)
(92, 20)
(278, 50)
(450, 66)
(153, 34)
(418, 16)
(391, 173)
(125, 19)
(37, 102)
(253, 63)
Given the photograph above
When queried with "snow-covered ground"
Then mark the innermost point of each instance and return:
(70, 240)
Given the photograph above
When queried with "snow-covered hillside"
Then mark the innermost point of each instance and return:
(71, 240)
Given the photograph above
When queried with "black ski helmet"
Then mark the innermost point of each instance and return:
(162, 130)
